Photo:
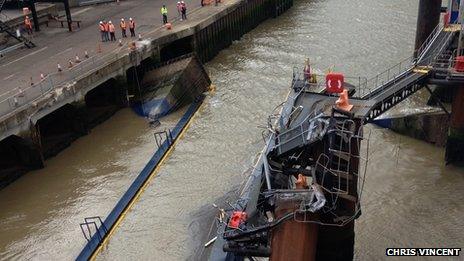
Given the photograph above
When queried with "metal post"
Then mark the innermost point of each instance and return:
(460, 19)
(35, 18)
(428, 18)
(68, 14)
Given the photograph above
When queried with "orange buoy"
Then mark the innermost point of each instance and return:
(342, 102)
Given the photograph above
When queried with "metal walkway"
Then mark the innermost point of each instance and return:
(402, 80)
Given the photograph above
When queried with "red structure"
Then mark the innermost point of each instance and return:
(334, 82)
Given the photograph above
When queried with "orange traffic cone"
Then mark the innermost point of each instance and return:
(168, 26)
(342, 102)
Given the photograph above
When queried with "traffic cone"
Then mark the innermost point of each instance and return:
(59, 68)
(86, 55)
(168, 26)
(342, 102)
(70, 64)
(77, 60)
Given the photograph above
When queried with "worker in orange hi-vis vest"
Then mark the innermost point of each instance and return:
(102, 31)
(28, 25)
(111, 29)
(107, 31)
(123, 28)
(132, 27)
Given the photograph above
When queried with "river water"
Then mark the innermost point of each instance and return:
(410, 199)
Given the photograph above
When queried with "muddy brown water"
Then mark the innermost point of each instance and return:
(410, 199)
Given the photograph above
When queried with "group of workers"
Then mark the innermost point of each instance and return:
(108, 30)
(181, 10)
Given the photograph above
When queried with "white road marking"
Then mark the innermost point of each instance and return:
(62, 52)
(81, 11)
(27, 55)
(8, 77)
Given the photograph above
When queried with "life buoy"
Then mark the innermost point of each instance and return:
(334, 82)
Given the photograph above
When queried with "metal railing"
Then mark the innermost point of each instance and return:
(419, 52)
(391, 76)
(18, 97)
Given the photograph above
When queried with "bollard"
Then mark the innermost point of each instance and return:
(32, 83)
(77, 60)
(132, 46)
(99, 49)
(70, 64)
(59, 68)
(120, 42)
(140, 37)
(86, 55)
(42, 76)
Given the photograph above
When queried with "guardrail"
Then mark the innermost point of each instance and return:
(17, 98)
(391, 75)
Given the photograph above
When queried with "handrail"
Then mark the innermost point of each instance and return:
(419, 52)
(390, 75)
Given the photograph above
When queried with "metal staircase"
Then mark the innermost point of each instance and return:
(11, 32)
(402, 80)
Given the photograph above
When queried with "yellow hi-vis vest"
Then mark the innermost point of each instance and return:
(164, 11)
